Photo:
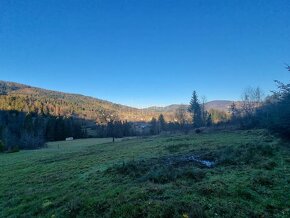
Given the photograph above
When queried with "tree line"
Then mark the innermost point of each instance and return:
(114, 129)
(200, 117)
(272, 113)
(252, 111)
(20, 130)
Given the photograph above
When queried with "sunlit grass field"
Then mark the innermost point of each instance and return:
(150, 177)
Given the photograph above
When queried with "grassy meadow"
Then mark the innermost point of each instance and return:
(150, 177)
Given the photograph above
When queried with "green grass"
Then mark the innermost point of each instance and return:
(147, 177)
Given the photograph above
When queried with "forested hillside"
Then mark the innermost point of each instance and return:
(30, 99)
(23, 98)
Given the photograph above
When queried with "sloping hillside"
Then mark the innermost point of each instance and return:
(162, 176)
(221, 105)
(26, 98)
(14, 96)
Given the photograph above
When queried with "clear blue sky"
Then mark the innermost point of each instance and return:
(144, 53)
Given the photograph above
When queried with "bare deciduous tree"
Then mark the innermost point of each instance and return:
(180, 115)
(251, 99)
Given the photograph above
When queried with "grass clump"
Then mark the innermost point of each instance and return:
(157, 171)
(133, 169)
(161, 175)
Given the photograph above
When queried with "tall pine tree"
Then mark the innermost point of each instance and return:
(195, 110)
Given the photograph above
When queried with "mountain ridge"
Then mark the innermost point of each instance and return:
(214, 104)
(27, 98)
